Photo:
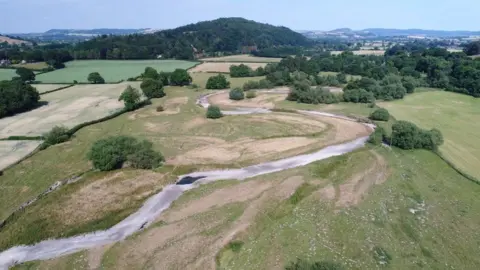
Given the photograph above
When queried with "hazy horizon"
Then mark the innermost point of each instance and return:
(301, 15)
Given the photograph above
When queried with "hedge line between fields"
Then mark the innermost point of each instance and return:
(458, 170)
(55, 90)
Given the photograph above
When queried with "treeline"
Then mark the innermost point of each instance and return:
(55, 55)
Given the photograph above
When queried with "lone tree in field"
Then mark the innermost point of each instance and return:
(25, 74)
(95, 78)
(150, 73)
(380, 115)
(130, 97)
(152, 88)
(218, 82)
(214, 112)
(180, 77)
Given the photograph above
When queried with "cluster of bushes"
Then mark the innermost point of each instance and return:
(245, 71)
(25, 74)
(389, 88)
(262, 84)
(236, 94)
(218, 82)
(303, 93)
(406, 135)
(179, 77)
(16, 96)
(214, 112)
(152, 88)
(113, 152)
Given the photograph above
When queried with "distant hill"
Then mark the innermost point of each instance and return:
(12, 40)
(385, 32)
(228, 35)
(420, 32)
(78, 35)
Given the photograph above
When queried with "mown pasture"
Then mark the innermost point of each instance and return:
(455, 115)
(7, 74)
(242, 58)
(110, 70)
(12, 151)
(223, 67)
(68, 107)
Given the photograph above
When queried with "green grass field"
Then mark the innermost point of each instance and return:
(454, 114)
(7, 74)
(111, 70)
(242, 58)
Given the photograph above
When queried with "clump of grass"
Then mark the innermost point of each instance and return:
(160, 108)
(251, 94)
(300, 193)
(235, 246)
(381, 255)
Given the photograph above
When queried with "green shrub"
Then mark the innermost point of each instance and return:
(144, 157)
(251, 94)
(303, 93)
(152, 88)
(378, 136)
(358, 96)
(241, 70)
(235, 246)
(150, 73)
(341, 78)
(236, 94)
(305, 265)
(214, 112)
(218, 82)
(179, 77)
(380, 115)
(130, 97)
(57, 135)
(111, 153)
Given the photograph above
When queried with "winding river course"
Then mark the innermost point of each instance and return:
(158, 203)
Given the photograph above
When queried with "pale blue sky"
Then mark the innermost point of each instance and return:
(41, 15)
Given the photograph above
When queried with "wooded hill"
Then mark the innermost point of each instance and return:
(228, 35)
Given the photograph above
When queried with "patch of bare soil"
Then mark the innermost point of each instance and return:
(111, 193)
(240, 150)
(223, 67)
(195, 122)
(94, 256)
(263, 100)
(327, 193)
(352, 192)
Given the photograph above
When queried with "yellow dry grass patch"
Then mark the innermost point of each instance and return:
(69, 107)
(223, 67)
(112, 193)
(262, 100)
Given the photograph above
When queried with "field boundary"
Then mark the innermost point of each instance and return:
(197, 64)
(55, 90)
(458, 170)
(82, 83)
